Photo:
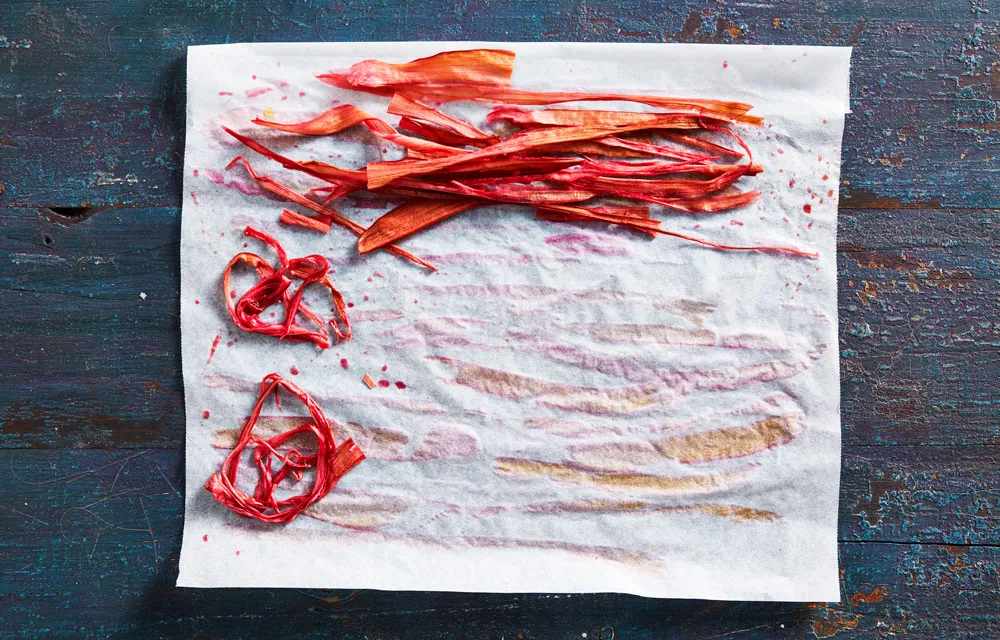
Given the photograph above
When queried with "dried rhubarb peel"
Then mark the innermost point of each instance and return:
(330, 462)
(274, 288)
(460, 167)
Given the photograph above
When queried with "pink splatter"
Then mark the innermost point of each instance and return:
(735, 223)
(225, 93)
(257, 91)
(377, 315)
(205, 414)
(385, 367)
(807, 208)
(294, 370)
(243, 187)
(791, 184)
(447, 441)
(725, 64)
(826, 177)
(400, 385)
(205, 537)
(194, 198)
(383, 383)
(195, 173)
(343, 363)
(577, 243)
(237, 552)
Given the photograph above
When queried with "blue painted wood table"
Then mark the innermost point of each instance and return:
(91, 422)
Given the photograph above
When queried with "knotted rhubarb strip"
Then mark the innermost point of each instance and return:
(274, 287)
(330, 462)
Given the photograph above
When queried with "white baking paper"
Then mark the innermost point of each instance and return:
(557, 376)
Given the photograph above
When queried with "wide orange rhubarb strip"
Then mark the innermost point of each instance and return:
(407, 219)
(472, 67)
(594, 118)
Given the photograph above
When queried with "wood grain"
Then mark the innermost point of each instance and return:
(91, 115)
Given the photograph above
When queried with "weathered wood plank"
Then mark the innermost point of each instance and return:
(91, 530)
(92, 93)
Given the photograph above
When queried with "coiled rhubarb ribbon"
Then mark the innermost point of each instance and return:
(330, 461)
(274, 286)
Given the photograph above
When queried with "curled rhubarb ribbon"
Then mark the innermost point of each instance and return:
(330, 462)
(274, 287)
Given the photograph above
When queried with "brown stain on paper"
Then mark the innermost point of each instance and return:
(515, 386)
(695, 448)
(378, 443)
(359, 510)
(666, 485)
(639, 507)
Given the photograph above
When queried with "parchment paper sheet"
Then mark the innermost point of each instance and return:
(557, 376)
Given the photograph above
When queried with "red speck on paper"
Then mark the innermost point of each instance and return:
(383, 383)
(205, 538)
(294, 370)
(385, 367)
(400, 385)
(343, 363)
(807, 208)
(215, 343)
(206, 414)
